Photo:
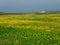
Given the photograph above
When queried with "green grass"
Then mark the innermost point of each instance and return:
(30, 29)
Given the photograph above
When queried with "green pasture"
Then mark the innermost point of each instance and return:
(30, 29)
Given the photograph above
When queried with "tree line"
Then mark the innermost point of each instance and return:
(38, 13)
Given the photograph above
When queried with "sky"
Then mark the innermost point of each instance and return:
(28, 5)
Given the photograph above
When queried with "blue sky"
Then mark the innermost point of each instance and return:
(28, 5)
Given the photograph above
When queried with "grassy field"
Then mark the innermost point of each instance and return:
(30, 29)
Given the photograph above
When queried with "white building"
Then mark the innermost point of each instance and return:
(43, 11)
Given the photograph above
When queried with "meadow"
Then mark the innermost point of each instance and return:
(30, 29)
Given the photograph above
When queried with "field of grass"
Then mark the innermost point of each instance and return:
(30, 29)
